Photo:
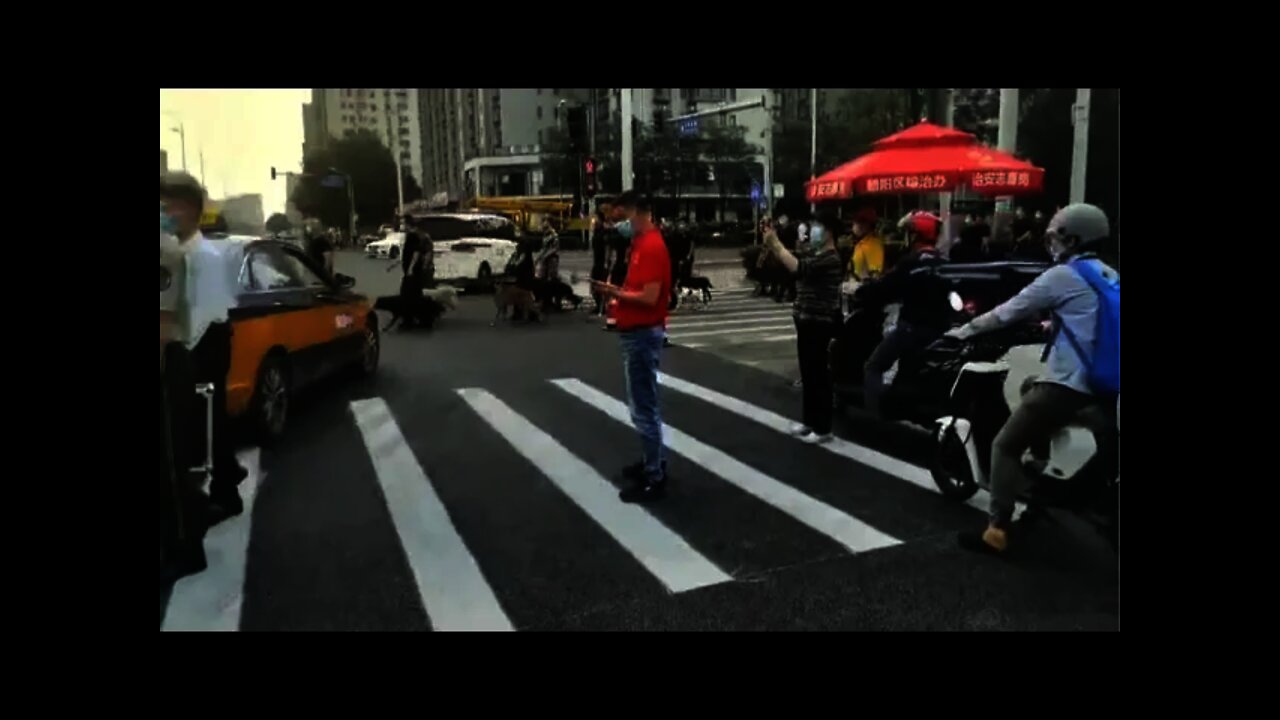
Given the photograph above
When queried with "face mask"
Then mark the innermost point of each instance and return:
(817, 236)
(167, 223)
(624, 229)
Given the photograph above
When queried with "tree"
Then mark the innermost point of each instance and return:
(278, 223)
(372, 171)
(729, 153)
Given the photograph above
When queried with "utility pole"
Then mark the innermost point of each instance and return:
(202, 180)
(627, 183)
(1080, 149)
(1007, 142)
(400, 184)
(813, 140)
(944, 199)
(182, 135)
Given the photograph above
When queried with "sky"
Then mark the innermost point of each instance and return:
(243, 133)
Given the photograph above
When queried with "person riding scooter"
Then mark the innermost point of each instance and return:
(1068, 387)
(925, 313)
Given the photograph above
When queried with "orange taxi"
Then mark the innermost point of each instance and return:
(293, 324)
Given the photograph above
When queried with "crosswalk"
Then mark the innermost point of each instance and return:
(733, 317)
(469, 558)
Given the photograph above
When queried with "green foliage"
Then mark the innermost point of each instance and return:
(372, 170)
(278, 223)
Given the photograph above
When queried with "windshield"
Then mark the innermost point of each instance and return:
(441, 227)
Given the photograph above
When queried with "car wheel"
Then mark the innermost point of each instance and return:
(394, 253)
(372, 350)
(270, 406)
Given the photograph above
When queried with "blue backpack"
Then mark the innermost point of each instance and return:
(1103, 369)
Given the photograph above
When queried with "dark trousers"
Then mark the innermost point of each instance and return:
(1044, 409)
(813, 339)
(211, 358)
(904, 339)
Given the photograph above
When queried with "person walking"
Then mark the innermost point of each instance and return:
(204, 315)
(817, 317)
(641, 314)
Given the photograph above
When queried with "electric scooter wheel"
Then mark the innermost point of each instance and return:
(950, 468)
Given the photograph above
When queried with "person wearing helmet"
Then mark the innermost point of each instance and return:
(1073, 233)
(868, 254)
(925, 313)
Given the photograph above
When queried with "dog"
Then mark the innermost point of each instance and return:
(510, 295)
(697, 283)
(433, 305)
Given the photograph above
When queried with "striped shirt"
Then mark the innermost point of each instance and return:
(818, 279)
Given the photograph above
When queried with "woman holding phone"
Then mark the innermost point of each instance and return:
(817, 317)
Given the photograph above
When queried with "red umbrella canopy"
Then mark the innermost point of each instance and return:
(928, 158)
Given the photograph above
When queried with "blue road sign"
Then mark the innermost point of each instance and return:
(689, 127)
(755, 192)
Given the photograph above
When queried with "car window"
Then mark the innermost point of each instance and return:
(302, 271)
(267, 268)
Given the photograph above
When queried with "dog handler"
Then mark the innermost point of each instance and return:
(642, 316)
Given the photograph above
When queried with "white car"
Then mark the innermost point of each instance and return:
(469, 247)
(471, 259)
(388, 247)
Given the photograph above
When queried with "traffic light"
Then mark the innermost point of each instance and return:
(273, 172)
(589, 168)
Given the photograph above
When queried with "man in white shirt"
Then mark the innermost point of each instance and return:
(204, 303)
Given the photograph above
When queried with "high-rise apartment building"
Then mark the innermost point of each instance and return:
(393, 114)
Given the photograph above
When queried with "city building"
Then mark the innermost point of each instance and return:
(489, 140)
(243, 214)
(164, 161)
(393, 114)
(291, 211)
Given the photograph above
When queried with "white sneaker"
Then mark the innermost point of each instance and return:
(800, 429)
(814, 438)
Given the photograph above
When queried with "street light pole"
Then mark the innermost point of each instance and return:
(1007, 141)
(1080, 149)
(182, 135)
(627, 183)
(813, 140)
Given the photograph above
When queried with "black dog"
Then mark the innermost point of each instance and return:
(424, 313)
(698, 283)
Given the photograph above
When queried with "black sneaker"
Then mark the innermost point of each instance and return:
(644, 492)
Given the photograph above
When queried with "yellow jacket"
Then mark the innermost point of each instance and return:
(868, 257)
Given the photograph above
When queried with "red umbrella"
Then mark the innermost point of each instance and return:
(927, 158)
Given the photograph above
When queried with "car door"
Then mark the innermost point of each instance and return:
(338, 335)
(279, 309)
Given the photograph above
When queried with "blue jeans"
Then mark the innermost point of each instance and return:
(641, 351)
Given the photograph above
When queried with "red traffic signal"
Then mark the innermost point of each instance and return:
(589, 167)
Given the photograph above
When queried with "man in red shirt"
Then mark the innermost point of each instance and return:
(642, 315)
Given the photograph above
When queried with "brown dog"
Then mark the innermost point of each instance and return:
(507, 295)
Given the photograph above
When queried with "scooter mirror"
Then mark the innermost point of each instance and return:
(957, 303)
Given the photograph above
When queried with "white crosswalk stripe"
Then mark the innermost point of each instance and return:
(735, 318)
(451, 582)
(845, 529)
(913, 474)
(453, 590)
(663, 552)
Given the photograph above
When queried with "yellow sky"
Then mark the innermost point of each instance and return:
(242, 132)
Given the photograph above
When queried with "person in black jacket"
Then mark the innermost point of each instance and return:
(925, 313)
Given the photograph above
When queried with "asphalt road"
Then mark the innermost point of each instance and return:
(472, 485)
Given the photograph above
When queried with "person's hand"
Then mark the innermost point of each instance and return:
(771, 240)
(964, 332)
(605, 288)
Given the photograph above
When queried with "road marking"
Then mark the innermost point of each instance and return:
(450, 583)
(732, 321)
(913, 474)
(736, 313)
(730, 331)
(737, 341)
(211, 600)
(664, 553)
(845, 529)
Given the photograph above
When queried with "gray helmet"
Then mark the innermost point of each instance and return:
(1085, 222)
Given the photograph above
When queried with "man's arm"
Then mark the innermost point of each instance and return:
(775, 246)
(1041, 295)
